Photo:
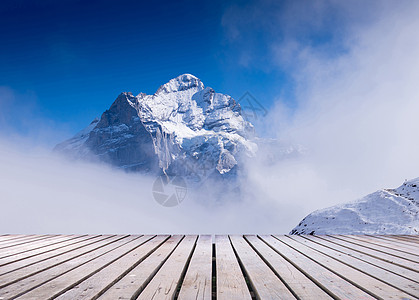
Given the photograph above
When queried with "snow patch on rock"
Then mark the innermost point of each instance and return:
(186, 124)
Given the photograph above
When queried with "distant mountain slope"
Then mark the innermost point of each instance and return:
(185, 128)
(389, 211)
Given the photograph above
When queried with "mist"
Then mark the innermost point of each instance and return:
(355, 124)
(45, 193)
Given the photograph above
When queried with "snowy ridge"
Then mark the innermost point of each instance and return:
(185, 123)
(388, 211)
(80, 138)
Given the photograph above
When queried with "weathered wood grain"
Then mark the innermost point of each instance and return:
(9, 237)
(409, 240)
(29, 282)
(388, 244)
(95, 285)
(390, 266)
(33, 269)
(67, 280)
(406, 285)
(366, 282)
(301, 285)
(165, 282)
(372, 252)
(110, 267)
(34, 246)
(230, 281)
(22, 260)
(328, 280)
(397, 244)
(382, 248)
(130, 286)
(264, 281)
(30, 240)
(198, 278)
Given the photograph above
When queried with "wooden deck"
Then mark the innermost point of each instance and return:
(205, 267)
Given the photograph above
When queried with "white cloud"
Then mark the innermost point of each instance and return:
(356, 116)
(43, 193)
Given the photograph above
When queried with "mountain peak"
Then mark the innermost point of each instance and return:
(181, 83)
(178, 130)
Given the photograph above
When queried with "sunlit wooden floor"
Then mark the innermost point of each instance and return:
(205, 267)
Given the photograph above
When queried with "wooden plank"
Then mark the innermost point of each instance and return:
(398, 241)
(366, 282)
(404, 239)
(42, 278)
(413, 251)
(265, 283)
(385, 247)
(125, 267)
(396, 281)
(22, 237)
(54, 287)
(399, 244)
(301, 285)
(390, 266)
(36, 245)
(13, 263)
(406, 256)
(26, 255)
(408, 236)
(130, 286)
(371, 252)
(9, 237)
(29, 240)
(230, 281)
(33, 269)
(164, 283)
(198, 278)
(326, 279)
(95, 285)
(5, 235)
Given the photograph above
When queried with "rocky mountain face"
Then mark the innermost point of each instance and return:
(184, 129)
(388, 211)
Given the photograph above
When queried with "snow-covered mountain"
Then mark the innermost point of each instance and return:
(388, 211)
(185, 129)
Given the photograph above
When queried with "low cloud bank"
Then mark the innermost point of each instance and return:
(44, 193)
(356, 116)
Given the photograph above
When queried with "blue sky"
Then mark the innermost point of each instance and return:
(68, 60)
